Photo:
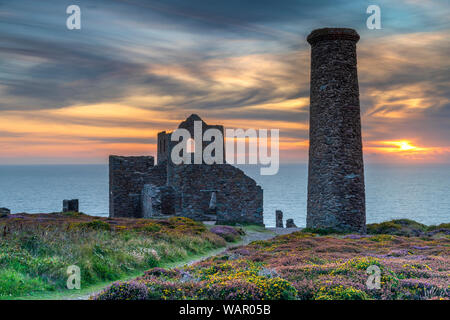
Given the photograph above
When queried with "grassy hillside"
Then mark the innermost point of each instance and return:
(35, 250)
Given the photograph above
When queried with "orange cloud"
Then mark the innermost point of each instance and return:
(404, 150)
(394, 110)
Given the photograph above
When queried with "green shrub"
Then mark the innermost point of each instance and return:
(440, 226)
(410, 223)
(383, 228)
(399, 227)
(14, 283)
(132, 290)
(322, 231)
(94, 225)
(151, 227)
(382, 238)
(32, 243)
(340, 293)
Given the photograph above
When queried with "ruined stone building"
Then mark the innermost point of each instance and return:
(140, 188)
(336, 197)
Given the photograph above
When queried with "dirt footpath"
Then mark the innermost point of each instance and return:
(269, 233)
(250, 236)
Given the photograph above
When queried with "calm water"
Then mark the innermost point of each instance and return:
(419, 193)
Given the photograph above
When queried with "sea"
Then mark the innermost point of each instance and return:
(420, 193)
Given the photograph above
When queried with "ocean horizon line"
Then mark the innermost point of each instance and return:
(394, 164)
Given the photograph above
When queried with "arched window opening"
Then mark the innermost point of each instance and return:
(190, 145)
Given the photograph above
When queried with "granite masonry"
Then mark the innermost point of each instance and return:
(218, 192)
(70, 205)
(278, 218)
(336, 197)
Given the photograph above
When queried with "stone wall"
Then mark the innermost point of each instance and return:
(127, 176)
(159, 201)
(165, 144)
(336, 197)
(70, 205)
(163, 147)
(238, 197)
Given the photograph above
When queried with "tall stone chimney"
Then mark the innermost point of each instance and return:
(336, 197)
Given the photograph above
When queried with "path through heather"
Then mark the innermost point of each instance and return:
(250, 236)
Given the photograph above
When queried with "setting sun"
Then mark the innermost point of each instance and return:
(405, 145)
(401, 146)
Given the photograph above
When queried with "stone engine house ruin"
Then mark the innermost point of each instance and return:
(139, 188)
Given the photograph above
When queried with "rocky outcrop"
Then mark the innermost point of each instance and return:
(290, 223)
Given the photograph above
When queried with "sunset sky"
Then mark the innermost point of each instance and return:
(138, 67)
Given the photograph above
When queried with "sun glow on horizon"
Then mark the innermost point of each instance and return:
(405, 145)
(402, 146)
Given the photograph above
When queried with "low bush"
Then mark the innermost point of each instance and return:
(94, 225)
(230, 234)
(407, 227)
(322, 231)
(340, 293)
(131, 290)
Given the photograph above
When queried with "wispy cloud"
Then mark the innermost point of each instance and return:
(138, 67)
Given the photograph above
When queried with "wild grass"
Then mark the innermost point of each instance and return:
(35, 250)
